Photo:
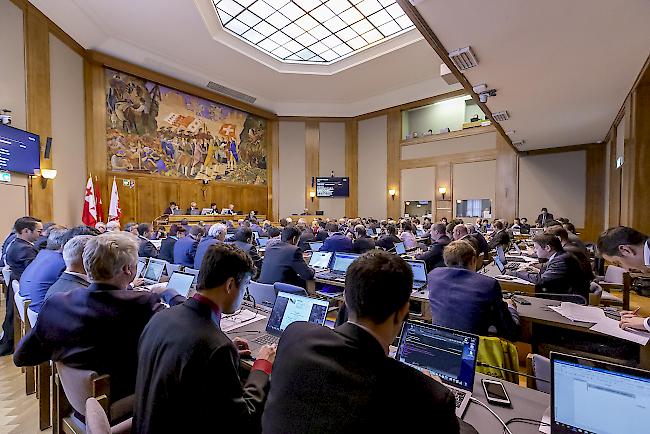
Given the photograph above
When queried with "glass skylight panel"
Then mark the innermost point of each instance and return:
(315, 31)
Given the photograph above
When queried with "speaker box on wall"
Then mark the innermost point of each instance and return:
(48, 148)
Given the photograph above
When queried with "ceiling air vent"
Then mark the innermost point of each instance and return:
(463, 58)
(501, 116)
(223, 90)
(518, 144)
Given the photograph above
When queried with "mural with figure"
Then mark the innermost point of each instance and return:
(153, 129)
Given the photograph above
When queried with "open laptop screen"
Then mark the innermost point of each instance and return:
(261, 241)
(449, 354)
(501, 254)
(315, 246)
(154, 270)
(320, 259)
(342, 261)
(590, 396)
(499, 264)
(141, 265)
(181, 283)
(289, 308)
(419, 270)
(400, 249)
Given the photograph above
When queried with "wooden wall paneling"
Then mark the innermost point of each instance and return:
(627, 170)
(312, 162)
(393, 172)
(640, 194)
(614, 184)
(443, 179)
(95, 111)
(164, 192)
(464, 157)
(39, 110)
(352, 166)
(128, 200)
(595, 200)
(273, 169)
(506, 199)
(146, 204)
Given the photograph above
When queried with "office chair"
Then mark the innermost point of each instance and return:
(264, 294)
(572, 298)
(97, 421)
(540, 367)
(21, 328)
(291, 289)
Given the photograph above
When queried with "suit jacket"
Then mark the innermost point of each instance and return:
(37, 278)
(433, 257)
(147, 249)
(524, 228)
(19, 255)
(41, 242)
(341, 381)
(363, 245)
(185, 251)
(560, 275)
(483, 246)
(541, 220)
(337, 243)
(251, 251)
(188, 366)
(67, 282)
(97, 328)
(321, 235)
(283, 262)
(471, 302)
(167, 249)
(5, 245)
(306, 237)
(201, 248)
(387, 241)
(499, 239)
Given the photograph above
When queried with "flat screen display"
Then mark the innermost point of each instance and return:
(332, 187)
(19, 150)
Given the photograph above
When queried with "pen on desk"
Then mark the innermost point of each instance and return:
(636, 310)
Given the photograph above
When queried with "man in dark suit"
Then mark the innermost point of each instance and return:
(74, 276)
(336, 241)
(320, 233)
(97, 328)
(171, 208)
(561, 274)
(500, 236)
(41, 242)
(388, 240)
(193, 209)
(185, 248)
(439, 240)
(216, 234)
(167, 244)
(462, 299)
(362, 242)
(359, 387)
(543, 218)
(188, 366)
(147, 249)
(524, 227)
(244, 240)
(283, 261)
(19, 255)
(5, 245)
(306, 237)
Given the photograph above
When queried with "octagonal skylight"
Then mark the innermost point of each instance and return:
(312, 31)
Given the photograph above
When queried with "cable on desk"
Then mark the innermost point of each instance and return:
(526, 421)
(505, 427)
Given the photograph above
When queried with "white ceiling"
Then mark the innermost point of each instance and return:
(562, 68)
(171, 37)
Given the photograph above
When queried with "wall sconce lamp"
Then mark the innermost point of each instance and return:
(442, 191)
(392, 193)
(312, 195)
(45, 174)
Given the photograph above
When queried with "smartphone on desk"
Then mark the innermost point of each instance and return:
(496, 393)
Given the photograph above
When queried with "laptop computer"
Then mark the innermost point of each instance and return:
(181, 282)
(400, 249)
(449, 354)
(339, 267)
(590, 396)
(536, 231)
(261, 241)
(154, 271)
(142, 263)
(171, 268)
(206, 211)
(378, 230)
(502, 256)
(193, 272)
(289, 308)
(320, 260)
(315, 246)
(420, 232)
(419, 273)
(370, 232)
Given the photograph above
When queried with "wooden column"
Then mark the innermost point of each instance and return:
(614, 184)
(506, 201)
(312, 162)
(639, 210)
(393, 181)
(595, 200)
(39, 110)
(272, 169)
(352, 166)
(95, 109)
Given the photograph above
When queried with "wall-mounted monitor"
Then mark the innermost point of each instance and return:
(332, 187)
(19, 150)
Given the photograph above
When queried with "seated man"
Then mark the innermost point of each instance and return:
(343, 380)
(561, 274)
(197, 374)
(306, 236)
(283, 261)
(462, 299)
(362, 242)
(97, 328)
(579, 253)
(167, 245)
(336, 241)
(185, 248)
(500, 236)
(387, 241)
(216, 234)
(461, 232)
(74, 276)
(433, 257)
(244, 240)
(45, 269)
(147, 249)
(573, 237)
(524, 226)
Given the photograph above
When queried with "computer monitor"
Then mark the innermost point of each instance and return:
(289, 308)
(501, 254)
(400, 249)
(420, 232)
(378, 230)
(181, 282)
(342, 261)
(370, 232)
(590, 396)
(449, 354)
(261, 241)
(320, 259)
(419, 269)
(206, 211)
(315, 246)
(142, 262)
(154, 270)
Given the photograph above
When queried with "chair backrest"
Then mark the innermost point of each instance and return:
(595, 293)
(6, 275)
(614, 274)
(291, 289)
(540, 367)
(19, 300)
(78, 385)
(571, 298)
(264, 294)
(499, 353)
(96, 419)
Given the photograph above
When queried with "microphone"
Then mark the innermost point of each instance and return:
(485, 365)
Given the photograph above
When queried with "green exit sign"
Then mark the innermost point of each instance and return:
(5, 177)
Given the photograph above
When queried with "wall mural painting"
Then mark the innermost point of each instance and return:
(153, 129)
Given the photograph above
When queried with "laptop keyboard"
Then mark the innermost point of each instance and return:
(515, 259)
(459, 395)
(266, 340)
(332, 276)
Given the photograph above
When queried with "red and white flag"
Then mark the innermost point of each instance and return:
(98, 201)
(114, 211)
(89, 215)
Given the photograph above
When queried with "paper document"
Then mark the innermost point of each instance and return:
(610, 327)
(576, 312)
(239, 319)
(545, 424)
